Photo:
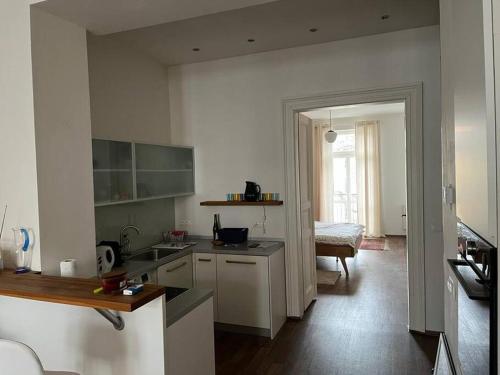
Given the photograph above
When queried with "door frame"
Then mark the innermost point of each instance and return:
(411, 94)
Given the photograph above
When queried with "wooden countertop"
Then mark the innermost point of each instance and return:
(72, 291)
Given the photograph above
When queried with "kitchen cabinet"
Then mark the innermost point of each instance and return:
(249, 290)
(178, 273)
(113, 172)
(126, 172)
(243, 290)
(189, 343)
(205, 274)
(163, 171)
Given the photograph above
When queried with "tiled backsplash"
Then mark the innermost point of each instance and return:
(152, 217)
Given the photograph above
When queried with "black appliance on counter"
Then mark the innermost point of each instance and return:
(233, 235)
(476, 271)
(252, 191)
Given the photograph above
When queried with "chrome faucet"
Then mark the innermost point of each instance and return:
(124, 240)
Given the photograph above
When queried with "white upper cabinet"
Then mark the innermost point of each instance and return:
(125, 171)
(163, 171)
(113, 172)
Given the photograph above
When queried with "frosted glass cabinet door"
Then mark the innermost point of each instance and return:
(163, 171)
(113, 175)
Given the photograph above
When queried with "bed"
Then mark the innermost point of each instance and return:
(338, 240)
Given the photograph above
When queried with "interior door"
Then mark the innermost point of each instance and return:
(306, 209)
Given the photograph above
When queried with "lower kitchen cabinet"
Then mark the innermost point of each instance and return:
(189, 343)
(178, 273)
(205, 275)
(243, 290)
(250, 290)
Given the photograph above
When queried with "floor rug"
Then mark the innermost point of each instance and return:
(372, 244)
(327, 277)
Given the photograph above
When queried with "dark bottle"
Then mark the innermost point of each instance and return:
(215, 228)
(219, 227)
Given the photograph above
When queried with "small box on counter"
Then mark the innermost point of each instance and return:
(133, 289)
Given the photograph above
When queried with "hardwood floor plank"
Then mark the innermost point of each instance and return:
(358, 326)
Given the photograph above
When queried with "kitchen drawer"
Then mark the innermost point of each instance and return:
(178, 273)
(243, 290)
(205, 274)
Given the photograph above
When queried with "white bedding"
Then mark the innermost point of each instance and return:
(338, 234)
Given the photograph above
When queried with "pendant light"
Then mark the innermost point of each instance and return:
(330, 135)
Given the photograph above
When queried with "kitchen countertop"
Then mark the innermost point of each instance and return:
(184, 303)
(72, 291)
(192, 298)
(135, 268)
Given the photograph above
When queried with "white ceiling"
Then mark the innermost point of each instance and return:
(356, 110)
(224, 33)
(111, 16)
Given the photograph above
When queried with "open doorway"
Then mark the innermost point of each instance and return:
(358, 180)
(357, 157)
(300, 241)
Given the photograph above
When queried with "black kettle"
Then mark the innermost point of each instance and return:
(252, 191)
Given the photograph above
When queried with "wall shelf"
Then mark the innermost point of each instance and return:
(241, 203)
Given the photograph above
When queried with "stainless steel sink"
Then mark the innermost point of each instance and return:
(153, 255)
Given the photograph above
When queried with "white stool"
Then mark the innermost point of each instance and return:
(17, 358)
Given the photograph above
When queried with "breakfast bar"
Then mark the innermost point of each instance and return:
(34, 307)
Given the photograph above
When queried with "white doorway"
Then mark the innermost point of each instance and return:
(300, 249)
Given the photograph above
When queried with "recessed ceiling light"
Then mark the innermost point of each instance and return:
(385, 17)
(313, 30)
(250, 40)
(196, 49)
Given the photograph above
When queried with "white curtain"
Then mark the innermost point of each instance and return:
(368, 177)
(322, 175)
(318, 134)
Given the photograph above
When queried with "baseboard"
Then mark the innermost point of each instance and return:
(426, 333)
(396, 235)
(243, 329)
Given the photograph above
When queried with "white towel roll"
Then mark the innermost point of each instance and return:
(68, 268)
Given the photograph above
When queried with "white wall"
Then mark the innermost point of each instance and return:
(392, 165)
(474, 121)
(129, 102)
(392, 172)
(468, 130)
(18, 187)
(78, 339)
(448, 167)
(231, 111)
(63, 146)
(129, 93)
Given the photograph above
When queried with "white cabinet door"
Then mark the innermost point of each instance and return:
(178, 273)
(205, 274)
(243, 290)
(189, 346)
(163, 171)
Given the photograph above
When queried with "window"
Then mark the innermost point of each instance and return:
(345, 197)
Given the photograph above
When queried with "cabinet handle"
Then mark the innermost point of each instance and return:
(204, 260)
(239, 262)
(177, 267)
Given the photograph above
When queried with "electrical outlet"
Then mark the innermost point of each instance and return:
(185, 223)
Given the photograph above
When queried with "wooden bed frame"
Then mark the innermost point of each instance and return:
(339, 251)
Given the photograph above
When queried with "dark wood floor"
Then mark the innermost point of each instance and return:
(358, 326)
